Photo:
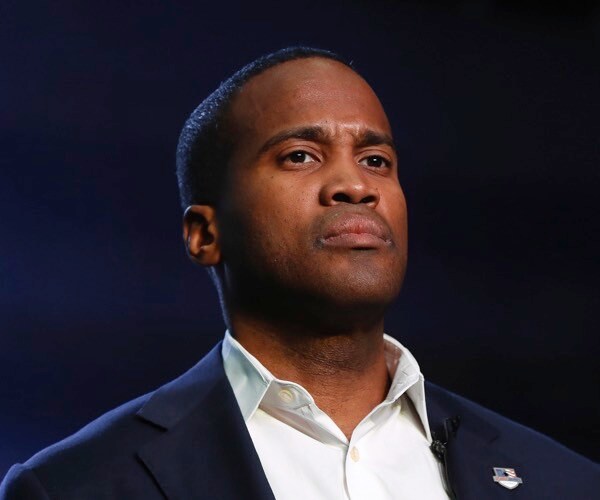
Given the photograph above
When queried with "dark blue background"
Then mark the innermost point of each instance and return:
(495, 107)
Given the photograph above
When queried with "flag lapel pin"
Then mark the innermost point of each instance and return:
(506, 477)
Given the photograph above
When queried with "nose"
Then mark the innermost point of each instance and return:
(346, 182)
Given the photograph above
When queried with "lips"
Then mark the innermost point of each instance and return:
(355, 231)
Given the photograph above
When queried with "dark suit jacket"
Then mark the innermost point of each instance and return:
(188, 440)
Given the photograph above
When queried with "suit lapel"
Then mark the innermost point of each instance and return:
(205, 451)
(472, 449)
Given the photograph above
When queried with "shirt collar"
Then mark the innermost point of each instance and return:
(250, 380)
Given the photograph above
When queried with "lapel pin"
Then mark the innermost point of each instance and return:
(506, 477)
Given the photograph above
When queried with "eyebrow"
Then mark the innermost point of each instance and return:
(368, 137)
(316, 133)
(313, 133)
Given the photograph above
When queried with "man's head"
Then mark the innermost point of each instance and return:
(311, 220)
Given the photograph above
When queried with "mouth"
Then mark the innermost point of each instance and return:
(355, 232)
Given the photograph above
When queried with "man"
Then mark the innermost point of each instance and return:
(289, 176)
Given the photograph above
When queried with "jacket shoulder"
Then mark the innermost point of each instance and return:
(507, 428)
(21, 482)
(105, 448)
(102, 459)
(545, 460)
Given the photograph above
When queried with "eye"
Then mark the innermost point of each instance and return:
(299, 157)
(375, 161)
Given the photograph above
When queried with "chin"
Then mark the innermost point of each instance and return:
(363, 289)
(381, 278)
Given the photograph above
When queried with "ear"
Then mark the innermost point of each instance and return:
(201, 235)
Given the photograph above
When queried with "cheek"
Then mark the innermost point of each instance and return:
(275, 212)
(402, 224)
(287, 195)
(396, 215)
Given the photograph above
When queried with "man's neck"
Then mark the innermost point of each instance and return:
(345, 373)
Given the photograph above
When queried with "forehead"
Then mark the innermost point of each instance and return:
(305, 92)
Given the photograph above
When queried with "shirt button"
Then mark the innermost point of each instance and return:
(354, 454)
(286, 395)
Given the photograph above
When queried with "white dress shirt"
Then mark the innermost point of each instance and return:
(304, 453)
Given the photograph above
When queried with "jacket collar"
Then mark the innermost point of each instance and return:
(205, 449)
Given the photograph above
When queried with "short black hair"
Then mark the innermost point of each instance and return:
(204, 147)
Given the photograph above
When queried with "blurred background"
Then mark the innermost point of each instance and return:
(496, 111)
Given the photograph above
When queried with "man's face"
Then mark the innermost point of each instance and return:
(313, 208)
